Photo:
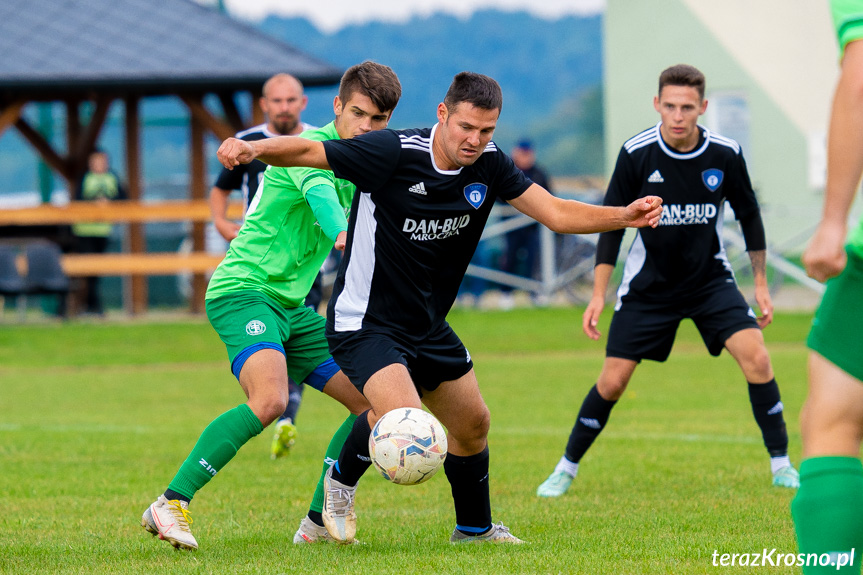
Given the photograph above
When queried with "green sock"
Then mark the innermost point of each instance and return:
(333, 451)
(828, 511)
(217, 445)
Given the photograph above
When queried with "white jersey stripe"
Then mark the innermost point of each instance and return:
(722, 255)
(353, 301)
(634, 263)
(726, 142)
(645, 135)
(415, 139)
(408, 146)
(641, 144)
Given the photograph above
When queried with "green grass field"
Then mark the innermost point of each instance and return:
(96, 418)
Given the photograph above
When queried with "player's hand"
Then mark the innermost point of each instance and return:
(825, 255)
(590, 319)
(644, 212)
(765, 304)
(341, 241)
(226, 228)
(234, 152)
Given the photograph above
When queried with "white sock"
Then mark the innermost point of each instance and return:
(777, 463)
(567, 467)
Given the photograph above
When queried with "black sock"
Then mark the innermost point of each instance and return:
(171, 495)
(767, 408)
(591, 419)
(354, 458)
(316, 518)
(468, 478)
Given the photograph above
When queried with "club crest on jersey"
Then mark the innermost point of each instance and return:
(712, 178)
(475, 194)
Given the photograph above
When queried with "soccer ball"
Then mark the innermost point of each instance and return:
(407, 445)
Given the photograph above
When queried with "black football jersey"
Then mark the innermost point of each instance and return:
(412, 228)
(685, 252)
(247, 177)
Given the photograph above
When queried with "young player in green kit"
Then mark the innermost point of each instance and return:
(255, 303)
(828, 509)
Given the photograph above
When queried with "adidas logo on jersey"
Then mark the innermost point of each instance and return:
(655, 178)
(419, 188)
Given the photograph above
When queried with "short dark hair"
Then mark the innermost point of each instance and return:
(477, 89)
(374, 80)
(683, 75)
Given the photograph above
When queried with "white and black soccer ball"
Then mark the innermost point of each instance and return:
(408, 445)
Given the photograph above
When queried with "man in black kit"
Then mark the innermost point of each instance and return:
(423, 197)
(680, 270)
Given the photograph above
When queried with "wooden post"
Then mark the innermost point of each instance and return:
(231, 111)
(197, 187)
(257, 113)
(10, 114)
(73, 133)
(136, 288)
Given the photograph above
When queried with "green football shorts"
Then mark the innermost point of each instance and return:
(835, 332)
(249, 321)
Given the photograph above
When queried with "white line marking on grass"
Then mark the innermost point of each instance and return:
(685, 437)
(637, 435)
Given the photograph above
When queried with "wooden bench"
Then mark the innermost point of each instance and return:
(125, 211)
(149, 264)
(138, 264)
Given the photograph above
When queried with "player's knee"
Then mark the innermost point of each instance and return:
(269, 407)
(611, 389)
(758, 362)
(484, 423)
(476, 428)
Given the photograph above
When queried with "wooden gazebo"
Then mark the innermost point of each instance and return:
(103, 51)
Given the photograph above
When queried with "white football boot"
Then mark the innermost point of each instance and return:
(170, 521)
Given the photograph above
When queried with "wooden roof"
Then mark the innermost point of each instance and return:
(138, 47)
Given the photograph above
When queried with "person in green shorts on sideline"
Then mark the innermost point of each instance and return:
(828, 509)
(255, 303)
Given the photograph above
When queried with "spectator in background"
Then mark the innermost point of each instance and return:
(522, 244)
(282, 103)
(99, 184)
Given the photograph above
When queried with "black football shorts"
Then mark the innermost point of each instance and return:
(440, 357)
(642, 329)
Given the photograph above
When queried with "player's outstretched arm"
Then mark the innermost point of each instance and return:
(574, 217)
(825, 256)
(282, 151)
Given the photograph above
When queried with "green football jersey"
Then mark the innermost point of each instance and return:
(848, 20)
(281, 246)
(95, 187)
